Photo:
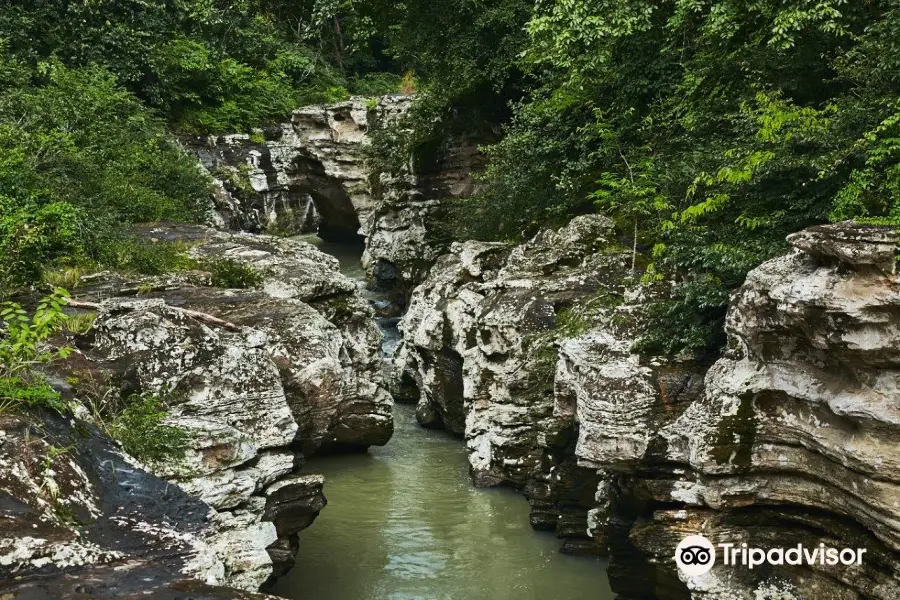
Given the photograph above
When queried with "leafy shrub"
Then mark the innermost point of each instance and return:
(24, 348)
(80, 158)
(231, 274)
(141, 429)
(138, 255)
(17, 393)
(376, 84)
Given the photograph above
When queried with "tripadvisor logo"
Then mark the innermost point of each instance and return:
(696, 555)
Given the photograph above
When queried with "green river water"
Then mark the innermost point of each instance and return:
(404, 522)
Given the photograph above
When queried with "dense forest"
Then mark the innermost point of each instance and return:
(709, 130)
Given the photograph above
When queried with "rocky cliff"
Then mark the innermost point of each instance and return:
(311, 175)
(792, 440)
(787, 439)
(479, 346)
(256, 379)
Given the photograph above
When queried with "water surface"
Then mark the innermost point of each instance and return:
(404, 522)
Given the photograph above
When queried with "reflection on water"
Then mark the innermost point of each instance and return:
(404, 522)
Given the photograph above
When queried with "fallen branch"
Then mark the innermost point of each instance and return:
(203, 317)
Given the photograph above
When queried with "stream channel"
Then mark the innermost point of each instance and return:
(404, 522)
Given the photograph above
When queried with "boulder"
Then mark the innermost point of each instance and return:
(256, 379)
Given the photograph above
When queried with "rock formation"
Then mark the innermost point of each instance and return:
(81, 519)
(311, 175)
(305, 176)
(480, 345)
(788, 439)
(793, 438)
(257, 379)
(255, 181)
(408, 229)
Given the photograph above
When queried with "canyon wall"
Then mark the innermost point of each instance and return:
(787, 439)
(257, 379)
(311, 176)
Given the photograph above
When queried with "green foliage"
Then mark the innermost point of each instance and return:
(231, 274)
(236, 177)
(708, 131)
(208, 65)
(24, 342)
(137, 255)
(24, 347)
(80, 323)
(80, 157)
(460, 58)
(377, 84)
(141, 429)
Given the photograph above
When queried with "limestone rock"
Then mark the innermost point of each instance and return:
(320, 333)
(256, 181)
(404, 236)
(791, 442)
(311, 175)
(79, 515)
(480, 345)
(267, 377)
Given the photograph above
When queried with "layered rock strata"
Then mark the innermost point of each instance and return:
(80, 519)
(480, 343)
(257, 380)
(305, 176)
(311, 175)
(790, 442)
(256, 181)
(787, 439)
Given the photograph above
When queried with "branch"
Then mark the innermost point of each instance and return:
(203, 317)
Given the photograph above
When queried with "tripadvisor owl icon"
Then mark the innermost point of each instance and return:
(695, 555)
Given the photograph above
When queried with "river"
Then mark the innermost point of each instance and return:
(404, 522)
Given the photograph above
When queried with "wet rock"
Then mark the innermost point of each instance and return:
(256, 379)
(293, 504)
(78, 515)
(133, 579)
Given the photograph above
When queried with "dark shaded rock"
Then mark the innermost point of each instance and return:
(292, 504)
(132, 580)
(77, 513)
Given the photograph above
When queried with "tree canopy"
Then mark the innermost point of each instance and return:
(709, 130)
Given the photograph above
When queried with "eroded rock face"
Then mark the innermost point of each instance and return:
(257, 379)
(305, 176)
(788, 439)
(479, 342)
(310, 175)
(225, 392)
(319, 332)
(407, 231)
(256, 181)
(80, 518)
(791, 442)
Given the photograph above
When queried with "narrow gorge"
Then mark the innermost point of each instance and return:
(449, 398)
